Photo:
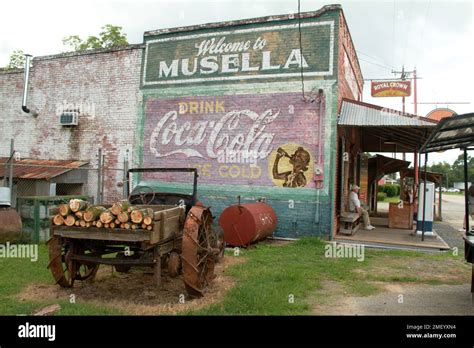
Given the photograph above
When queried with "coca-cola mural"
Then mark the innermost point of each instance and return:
(262, 139)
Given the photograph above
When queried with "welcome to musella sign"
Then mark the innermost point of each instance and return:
(230, 53)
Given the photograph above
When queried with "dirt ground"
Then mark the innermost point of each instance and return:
(135, 293)
(397, 299)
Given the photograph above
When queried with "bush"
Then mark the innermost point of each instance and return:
(381, 196)
(381, 188)
(391, 190)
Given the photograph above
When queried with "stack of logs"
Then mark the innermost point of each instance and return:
(121, 215)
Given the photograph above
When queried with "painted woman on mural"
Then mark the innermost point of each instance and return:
(299, 160)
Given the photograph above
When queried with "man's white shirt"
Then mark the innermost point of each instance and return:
(353, 201)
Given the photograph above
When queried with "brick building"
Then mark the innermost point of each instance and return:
(253, 104)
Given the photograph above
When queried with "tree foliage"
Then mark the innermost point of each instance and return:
(111, 36)
(17, 60)
(455, 172)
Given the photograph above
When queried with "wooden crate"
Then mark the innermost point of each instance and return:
(400, 216)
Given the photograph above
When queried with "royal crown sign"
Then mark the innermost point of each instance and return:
(391, 89)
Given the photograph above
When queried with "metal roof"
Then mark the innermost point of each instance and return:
(354, 113)
(39, 169)
(451, 133)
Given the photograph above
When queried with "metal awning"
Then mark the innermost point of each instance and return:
(456, 132)
(385, 126)
(39, 169)
(451, 133)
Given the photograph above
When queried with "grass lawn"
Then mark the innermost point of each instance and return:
(392, 199)
(273, 275)
(17, 273)
(273, 280)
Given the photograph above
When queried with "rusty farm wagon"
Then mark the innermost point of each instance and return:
(181, 239)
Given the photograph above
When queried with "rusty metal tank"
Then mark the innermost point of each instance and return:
(10, 221)
(248, 223)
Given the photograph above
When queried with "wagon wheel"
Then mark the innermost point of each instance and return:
(199, 252)
(65, 271)
(85, 271)
(174, 264)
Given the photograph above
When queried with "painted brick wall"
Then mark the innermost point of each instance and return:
(128, 104)
(349, 85)
(173, 108)
(103, 85)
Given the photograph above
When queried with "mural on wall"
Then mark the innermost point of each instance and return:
(239, 54)
(291, 166)
(263, 139)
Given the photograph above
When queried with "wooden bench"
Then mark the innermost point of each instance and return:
(350, 223)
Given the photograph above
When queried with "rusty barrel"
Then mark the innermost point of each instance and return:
(10, 225)
(247, 223)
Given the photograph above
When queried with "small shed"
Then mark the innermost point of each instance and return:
(36, 177)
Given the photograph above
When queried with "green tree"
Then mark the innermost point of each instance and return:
(111, 36)
(455, 172)
(458, 168)
(17, 60)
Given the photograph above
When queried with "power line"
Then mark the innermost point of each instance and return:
(393, 33)
(408, 31)
(375, 58)
(301, 48)
(424, 24)
(380, 65)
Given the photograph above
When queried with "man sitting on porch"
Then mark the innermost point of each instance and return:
(354, 206)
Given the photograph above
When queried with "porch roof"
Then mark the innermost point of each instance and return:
(382, 126)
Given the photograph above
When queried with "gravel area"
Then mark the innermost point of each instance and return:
(450, 235)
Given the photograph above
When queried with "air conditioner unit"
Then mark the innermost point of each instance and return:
(69, 118)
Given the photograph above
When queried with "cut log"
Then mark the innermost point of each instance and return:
(58, 220)
(77, 223)
(47, 310)
(107, 217)
(123, 217)
(77, 205)
(112, 225)
(144, 226)
(99, 224)
(127, 225)
(79, 214)
(138, 215)
(148, 220)
(122, 226)
(93, 223)
(135, 227)
(149, 227)
(82, 223)
(93, 213)
(106, 225)
(88, 224)
(64, 209)
(117, 221)
(119, 207)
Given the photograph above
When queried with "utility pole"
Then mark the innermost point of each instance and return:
(403, 76)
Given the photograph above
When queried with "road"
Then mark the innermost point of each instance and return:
(453, 210)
